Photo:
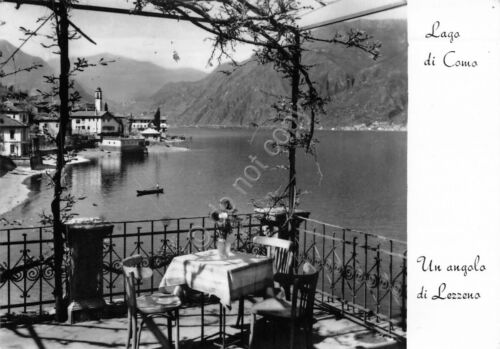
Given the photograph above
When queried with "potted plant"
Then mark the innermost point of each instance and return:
(225, 219)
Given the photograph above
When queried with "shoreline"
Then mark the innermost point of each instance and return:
(15, 191)
(357, 128)
(159, 148)
(14, 185)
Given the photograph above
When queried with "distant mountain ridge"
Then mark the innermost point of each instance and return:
(25, 81)
(361, 90)
(33, 80)
(126, 81)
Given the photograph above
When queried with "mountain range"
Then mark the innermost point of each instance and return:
(25, 81)
(33, 80)
(126, 81)
(360, 89)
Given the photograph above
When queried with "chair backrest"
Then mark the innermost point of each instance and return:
(132, 271)
(302, 293)
(279, 250)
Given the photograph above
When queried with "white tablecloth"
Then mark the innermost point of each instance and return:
(229, 279)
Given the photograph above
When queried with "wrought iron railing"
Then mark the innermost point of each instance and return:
(26, 271)
(362, 275)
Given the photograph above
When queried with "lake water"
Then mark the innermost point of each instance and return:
(363, 182)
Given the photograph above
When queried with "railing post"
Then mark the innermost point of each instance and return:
(403, 295)
(138, 242)
(378, 281)
(178, 236)
(323, 265)
(354, 244)
(111, 286)
(164, 252)
(8, 268)
(238, 237)
(314, 247)
(250, 227)
(203, 234)
(304, 244)
(40, 287)
(190, 237)
(151, 254)
(25, 273)
(214, 236)
(124, 247)
(365, 276)
(344, 270)
(332, 287)
(390, 285)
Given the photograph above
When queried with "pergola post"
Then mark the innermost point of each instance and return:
(292, 144)
(61, 12)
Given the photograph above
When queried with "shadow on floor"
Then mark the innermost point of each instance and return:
(328, 332)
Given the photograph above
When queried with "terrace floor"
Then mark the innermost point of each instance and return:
(329, 332)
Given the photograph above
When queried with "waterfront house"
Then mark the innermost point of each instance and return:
(96, 121)
(14, 137)
(85, 122)
(141, 123)
(111, 125)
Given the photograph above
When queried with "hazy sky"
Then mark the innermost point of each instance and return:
(141, 38)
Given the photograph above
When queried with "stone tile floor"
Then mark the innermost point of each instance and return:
(329, 332)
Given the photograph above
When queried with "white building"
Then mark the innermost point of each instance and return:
(98, 122)
(14, 137)
(141, 123)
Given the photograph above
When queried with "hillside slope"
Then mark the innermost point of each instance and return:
(33, 80)
(25, 81)
(126, 81)
(361, 90)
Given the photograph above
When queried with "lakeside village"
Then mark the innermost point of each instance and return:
(28, 130)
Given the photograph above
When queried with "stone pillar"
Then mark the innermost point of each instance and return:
(85, 240)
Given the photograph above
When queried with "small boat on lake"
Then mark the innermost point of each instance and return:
(150, 191)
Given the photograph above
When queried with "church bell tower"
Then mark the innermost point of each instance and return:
(98, 100)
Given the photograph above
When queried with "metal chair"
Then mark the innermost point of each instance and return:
(279, 250)
(298, 310)
(149, 306)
